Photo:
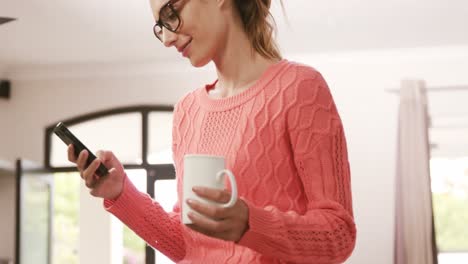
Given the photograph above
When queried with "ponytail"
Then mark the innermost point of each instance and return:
(260, 26)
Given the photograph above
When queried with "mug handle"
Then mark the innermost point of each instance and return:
(232, 179)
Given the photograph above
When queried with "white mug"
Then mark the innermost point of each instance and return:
(205, 171)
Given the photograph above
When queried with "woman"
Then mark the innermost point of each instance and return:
(276, 124)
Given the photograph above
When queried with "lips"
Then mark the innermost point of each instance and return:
(184, 49)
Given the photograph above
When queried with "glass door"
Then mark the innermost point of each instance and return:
(34, 214)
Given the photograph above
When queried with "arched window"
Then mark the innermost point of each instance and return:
(140, 137)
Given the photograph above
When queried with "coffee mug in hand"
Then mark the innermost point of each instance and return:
(205, 171)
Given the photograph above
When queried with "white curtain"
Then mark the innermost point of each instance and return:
(414, 232)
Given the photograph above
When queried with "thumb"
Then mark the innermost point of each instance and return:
(104, 155)
(108, 159)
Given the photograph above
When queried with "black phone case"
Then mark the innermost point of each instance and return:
(68, 138)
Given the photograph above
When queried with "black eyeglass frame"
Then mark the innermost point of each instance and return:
(162, 24)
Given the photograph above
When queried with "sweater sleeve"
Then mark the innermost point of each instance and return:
(325, 232)
(148, 220)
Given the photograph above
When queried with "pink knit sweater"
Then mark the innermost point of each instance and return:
(284, 141)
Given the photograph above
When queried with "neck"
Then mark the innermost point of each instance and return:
(238, 67)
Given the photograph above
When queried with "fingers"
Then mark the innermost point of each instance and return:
(225, 229)
(81, 160)
(109, 160)
(207, 225)
(96, 192)
(208, 210)
(216, 195)
(91, 179)
(71, 153)
(209, 218)
(86, 173)
(104, 155)
(224, 223)
(89, 173)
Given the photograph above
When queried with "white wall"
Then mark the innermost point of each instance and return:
(2, 70)
(358, 82)
(41, 98)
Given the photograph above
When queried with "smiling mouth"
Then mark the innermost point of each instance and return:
(185, 46)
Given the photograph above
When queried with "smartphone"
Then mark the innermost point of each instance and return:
(68, 138)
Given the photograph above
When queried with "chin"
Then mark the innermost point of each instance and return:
(199, 62)
(199, 57)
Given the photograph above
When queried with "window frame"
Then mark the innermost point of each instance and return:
(154, 172)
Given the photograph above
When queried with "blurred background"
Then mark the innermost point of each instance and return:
(97, 65)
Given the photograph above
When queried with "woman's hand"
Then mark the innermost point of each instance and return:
(107, 187)
(227, 223)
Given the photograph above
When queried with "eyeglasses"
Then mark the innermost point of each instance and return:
(168, 18)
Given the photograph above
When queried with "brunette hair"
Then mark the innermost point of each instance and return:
(259, 26)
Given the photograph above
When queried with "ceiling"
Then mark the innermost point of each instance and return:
(90, 31)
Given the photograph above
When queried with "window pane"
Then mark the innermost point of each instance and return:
(450, 196)
(66, 216)
(35, 217)
(160, 138)
(452, 257)
(119, 133)
(449, 142)
(134, 246)
(165, 192)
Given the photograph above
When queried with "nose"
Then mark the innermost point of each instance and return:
(168, 37)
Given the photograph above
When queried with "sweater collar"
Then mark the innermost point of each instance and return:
(223, 104)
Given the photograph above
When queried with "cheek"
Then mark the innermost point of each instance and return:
(215, 34)
(205, 36)
(203, 51)
(208, 35)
